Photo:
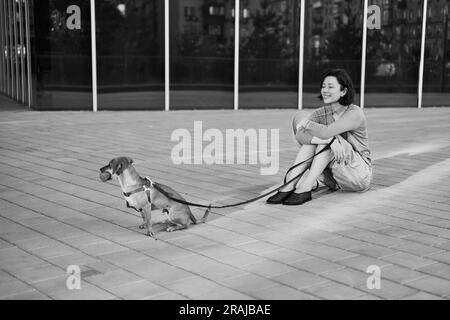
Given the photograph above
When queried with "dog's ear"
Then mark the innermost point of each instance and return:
(117, 166)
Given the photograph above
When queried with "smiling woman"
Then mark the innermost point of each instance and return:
(347, 166)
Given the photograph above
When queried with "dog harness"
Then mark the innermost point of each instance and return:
(144, 188)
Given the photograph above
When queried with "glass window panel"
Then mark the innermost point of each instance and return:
(130, 54)
(436, 75)
(393, 55)
(201, 54)
(333, 39)
(268, 59)
(61, 61)
(2, 51)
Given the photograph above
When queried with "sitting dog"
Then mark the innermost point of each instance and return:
(142, 195)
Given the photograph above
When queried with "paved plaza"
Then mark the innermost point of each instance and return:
(55, 212)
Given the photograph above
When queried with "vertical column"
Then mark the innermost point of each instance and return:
(301, 55)
(166, 56)
(422, 53)
(28, 50)
(22, 51)
(237, 16)
(364, 54)
(16, 47)
(94, 57)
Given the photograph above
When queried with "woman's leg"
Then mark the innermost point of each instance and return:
(305, 152)
(318, 165)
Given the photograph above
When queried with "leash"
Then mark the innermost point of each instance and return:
(150, 184)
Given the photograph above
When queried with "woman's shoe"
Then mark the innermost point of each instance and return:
(279, 197)
(296, 199)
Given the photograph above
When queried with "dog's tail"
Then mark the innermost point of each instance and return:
(203, 219)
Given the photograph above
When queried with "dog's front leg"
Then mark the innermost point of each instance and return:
(147, 210)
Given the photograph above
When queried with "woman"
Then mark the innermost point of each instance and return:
(347, 166)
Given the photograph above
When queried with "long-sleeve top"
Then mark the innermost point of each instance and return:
(352, 126)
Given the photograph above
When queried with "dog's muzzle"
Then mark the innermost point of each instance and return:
(105, 175)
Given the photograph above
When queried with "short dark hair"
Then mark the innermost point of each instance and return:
(345, 81)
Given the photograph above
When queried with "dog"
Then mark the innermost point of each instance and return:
(142, 195)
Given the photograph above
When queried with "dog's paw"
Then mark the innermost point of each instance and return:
(150, 234)
(142, 226)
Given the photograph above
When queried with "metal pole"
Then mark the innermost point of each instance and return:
(422, 53)
(166, 56)
(237, 16)
(16, 54)
(94, 57)
(363, 58)
(301, 54)
(28, 51)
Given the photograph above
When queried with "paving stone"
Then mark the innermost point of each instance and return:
(30, 295)
(433, 285)
(437, 269)
(194, 287)
(401, 274)
(316, 265)
(13, 287)
(408, 260)
(389, 290)
(423, 296)
(334, 291)
(299, 279)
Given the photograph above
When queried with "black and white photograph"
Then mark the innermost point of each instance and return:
(224, 154)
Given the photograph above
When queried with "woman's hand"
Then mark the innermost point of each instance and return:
(301, 124)
(340, 154)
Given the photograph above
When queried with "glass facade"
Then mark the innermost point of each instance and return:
(268, 54)
(201, 54)
(14, 75)
(333, 39)
(61, 57)
(130, 54)
(46, 53)
(393, 55)
(436, 89)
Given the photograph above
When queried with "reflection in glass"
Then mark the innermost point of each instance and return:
(333, 39)
(201, 54)
(393, 55)
(268, 58)
(62, 58)
(130, 54)
(436, 74)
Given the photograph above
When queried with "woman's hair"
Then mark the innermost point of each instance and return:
(345, 81)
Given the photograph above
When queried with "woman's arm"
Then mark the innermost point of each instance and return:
(305, 138)
(349, 121)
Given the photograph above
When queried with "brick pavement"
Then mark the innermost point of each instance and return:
(54, 212)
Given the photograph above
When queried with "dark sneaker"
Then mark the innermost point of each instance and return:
(279, 197)
(296, 199)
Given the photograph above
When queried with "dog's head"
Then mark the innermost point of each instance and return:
(115, 168)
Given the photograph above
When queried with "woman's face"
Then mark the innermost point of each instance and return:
(331, 90)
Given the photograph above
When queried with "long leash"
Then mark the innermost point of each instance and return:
(157, 187)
